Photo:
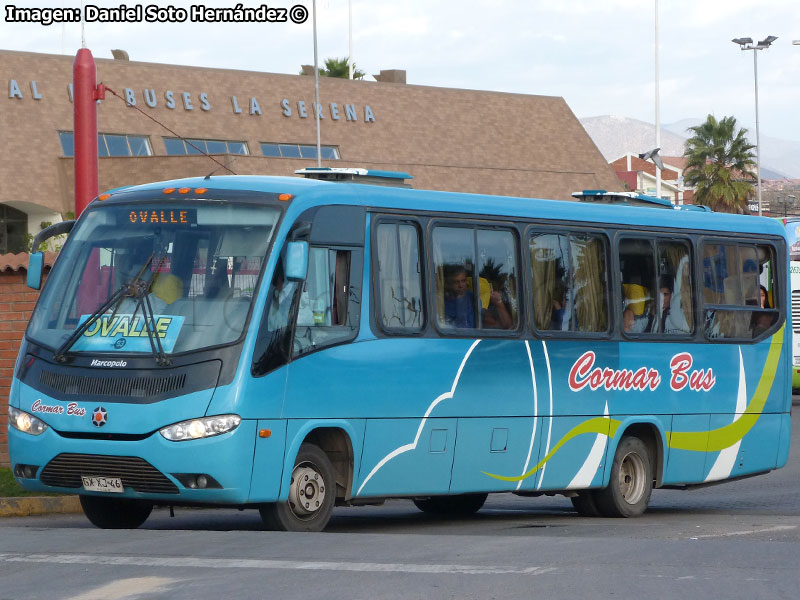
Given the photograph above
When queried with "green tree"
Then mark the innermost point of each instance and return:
(338, 67)
(719, 161)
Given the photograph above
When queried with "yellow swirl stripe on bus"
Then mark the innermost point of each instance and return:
(725, 437)
(598, 425)
(699, 441)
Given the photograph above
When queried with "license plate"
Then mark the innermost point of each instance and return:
(102, 484)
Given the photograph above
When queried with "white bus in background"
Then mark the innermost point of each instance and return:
(792, 225)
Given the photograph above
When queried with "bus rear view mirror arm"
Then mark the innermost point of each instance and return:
(36, 260)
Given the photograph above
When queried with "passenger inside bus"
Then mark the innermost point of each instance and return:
(761, 321)
(164, 287)
(459, 302)
(628, 320)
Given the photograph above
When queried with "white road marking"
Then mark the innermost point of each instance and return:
(226, 563)
(123, 588)
(745, 532)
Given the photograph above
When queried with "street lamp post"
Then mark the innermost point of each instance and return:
(747, 44)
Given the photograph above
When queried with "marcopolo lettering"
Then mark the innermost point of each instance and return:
(109, 363)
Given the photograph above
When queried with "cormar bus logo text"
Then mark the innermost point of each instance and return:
(109, 363)
(584, 374)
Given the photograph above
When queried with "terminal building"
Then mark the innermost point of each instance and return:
(157, 120)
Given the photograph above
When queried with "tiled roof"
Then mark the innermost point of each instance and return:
(637, 164)
(15, 262)
(675, 161)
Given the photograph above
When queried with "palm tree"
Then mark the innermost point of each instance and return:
(337, 67)
(719, 161)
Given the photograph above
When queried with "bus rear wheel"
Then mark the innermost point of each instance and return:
(463, 504)
(115, 513)
(312, 494)
(631, 483)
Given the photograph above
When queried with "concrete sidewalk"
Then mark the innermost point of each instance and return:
(27, 506)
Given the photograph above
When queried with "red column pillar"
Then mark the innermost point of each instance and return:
(84, 75)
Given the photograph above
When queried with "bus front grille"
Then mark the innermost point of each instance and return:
(112, 385)
(796, 311)
(65, 470)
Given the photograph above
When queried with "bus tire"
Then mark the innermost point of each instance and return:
(585, 504)
(312, 494)
(631, 482)
(115, 513)
(462, 504)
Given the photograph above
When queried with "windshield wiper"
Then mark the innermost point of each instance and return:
(137, 289)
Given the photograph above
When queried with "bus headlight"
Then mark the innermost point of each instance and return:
(201, 428)
(25, 422)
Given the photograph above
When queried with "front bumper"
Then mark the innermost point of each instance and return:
(147, 466)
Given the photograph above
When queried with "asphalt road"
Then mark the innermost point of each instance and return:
(737, 540)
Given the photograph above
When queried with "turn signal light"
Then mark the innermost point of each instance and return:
(264, 433)
(284, 197)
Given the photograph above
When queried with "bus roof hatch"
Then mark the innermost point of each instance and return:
(355, 175)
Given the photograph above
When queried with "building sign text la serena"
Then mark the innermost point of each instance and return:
(187, 101)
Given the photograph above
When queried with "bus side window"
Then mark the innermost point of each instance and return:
(399, 277)
(732, 280)
(570, 282)
(328, 304)
(272, 344)
(475, 278)
(675, 301)
(638, 276)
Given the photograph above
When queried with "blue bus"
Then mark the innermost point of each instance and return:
(792, 225)
(292, 344)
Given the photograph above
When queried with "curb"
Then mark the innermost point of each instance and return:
(38, 505)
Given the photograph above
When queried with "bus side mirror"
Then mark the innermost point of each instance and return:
(295, 264)
(35, 264)
(36, 260)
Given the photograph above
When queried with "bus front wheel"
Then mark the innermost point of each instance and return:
(312, 494)
(631, 483)
(115, 513)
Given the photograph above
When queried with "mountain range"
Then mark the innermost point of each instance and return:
(614, 136)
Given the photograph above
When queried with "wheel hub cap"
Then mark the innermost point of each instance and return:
(307, 494)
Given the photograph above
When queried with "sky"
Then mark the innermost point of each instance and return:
(599, 55)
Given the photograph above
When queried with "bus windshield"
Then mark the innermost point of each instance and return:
(194, 265)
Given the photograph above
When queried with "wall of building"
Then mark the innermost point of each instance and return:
(449, 139)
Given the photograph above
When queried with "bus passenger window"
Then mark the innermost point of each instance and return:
(399, 281)
(675, 300)
(570, 285)
(733, 275)
(476, 283)
(497, 272)
(638, 276)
